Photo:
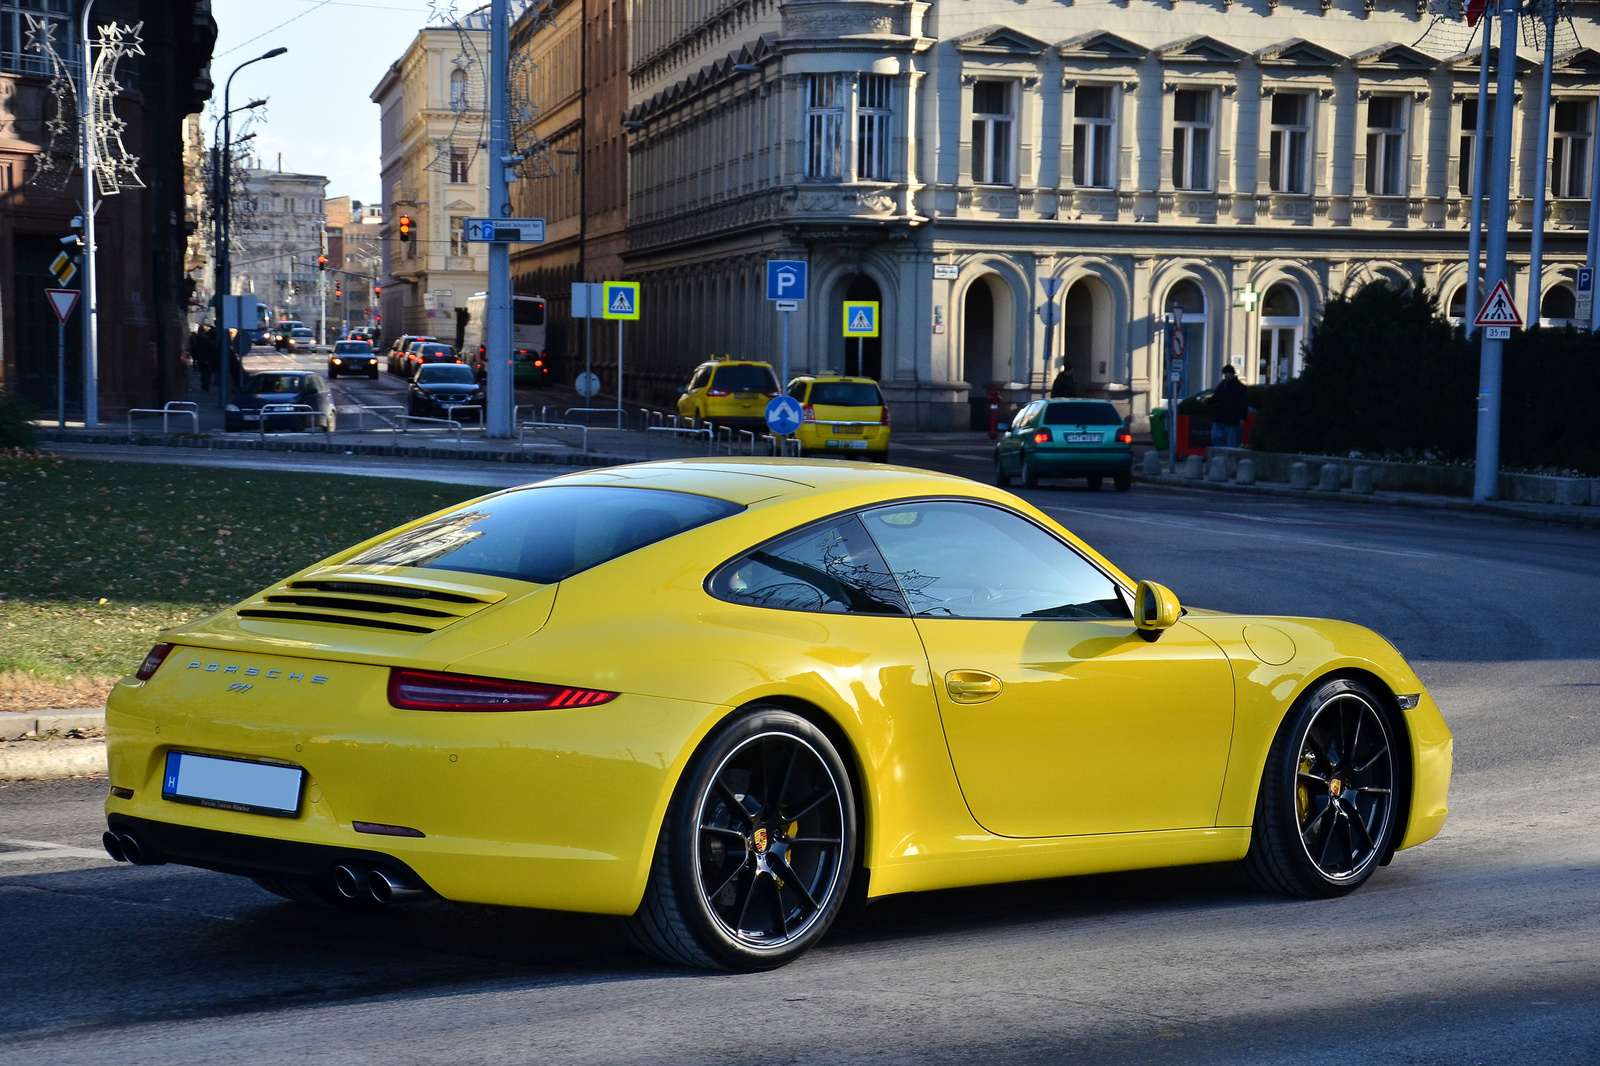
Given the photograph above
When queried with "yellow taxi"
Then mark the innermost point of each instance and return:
(729, 392)
(842, 416)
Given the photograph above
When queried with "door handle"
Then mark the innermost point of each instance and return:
(971, 686)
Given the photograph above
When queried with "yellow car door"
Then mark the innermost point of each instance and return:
(694, 393)
(1061, 719)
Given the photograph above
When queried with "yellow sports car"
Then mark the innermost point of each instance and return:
(718, 697)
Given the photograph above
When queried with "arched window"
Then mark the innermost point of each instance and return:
(458, 90)
(1458, 304)
(1188, 297)
(1559, 306)
(1283, 327)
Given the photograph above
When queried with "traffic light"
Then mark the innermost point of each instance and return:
(338, 291)
(377, 290)
(405, 227)
(322, 262)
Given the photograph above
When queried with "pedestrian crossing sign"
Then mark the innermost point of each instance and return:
(621, 299)
(1499, 309)
(861, 318)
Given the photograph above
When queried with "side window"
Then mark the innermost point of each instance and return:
(831, 567)
(1027, 416)
(970, 560)
(797, 389)
(700, 375)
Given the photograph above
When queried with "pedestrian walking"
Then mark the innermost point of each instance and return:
(1230, 406)
(206, 355)
(1065, 384)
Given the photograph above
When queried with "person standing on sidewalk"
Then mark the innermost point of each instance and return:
(1065, 385)
(1230, 406)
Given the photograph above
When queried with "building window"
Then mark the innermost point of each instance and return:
(872, 127)
(1569, 150)
(825, 105)
(1191, 139)
(1091, 137)
(1386, 145)
(1559, 306)
(15, 55)
(991, 133)
(1291, 134)
(1469, 141)
(458, 90)
(1282, 329)
(457, 245)
(460, 167)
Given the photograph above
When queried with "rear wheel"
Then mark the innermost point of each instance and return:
(1030, 473)
(1325, 815)
(755, 855)
(1095, 483)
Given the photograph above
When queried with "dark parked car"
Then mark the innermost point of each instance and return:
(281, 387)
(438, 389)
(397, 353)
(352, 357)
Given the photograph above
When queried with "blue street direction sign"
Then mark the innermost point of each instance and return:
(503, 230)
(861, 318)
(786, 279)
(783, 415)
(621, 299)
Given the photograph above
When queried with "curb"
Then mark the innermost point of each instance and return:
(50, 760)
(14, 725)
(352, 448)
(1502, 508)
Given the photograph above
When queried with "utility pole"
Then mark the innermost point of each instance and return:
(497, 303)
(322, 282)
(1480, 157)
(91, 321)
(1486, 479)
(1541, 171)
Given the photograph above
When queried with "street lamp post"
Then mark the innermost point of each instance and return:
(224, 217)
(91, 334)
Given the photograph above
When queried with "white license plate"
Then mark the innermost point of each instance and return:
(855, 444)
(853, 431)
(233, 784)
(1083, 438)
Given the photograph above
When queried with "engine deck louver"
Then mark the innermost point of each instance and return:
(401, 605)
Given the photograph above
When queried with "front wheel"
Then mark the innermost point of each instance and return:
(1325, 815)
(755, 855)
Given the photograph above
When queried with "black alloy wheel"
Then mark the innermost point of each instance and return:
(1001, 478)
(755, 857)
(1325, 816)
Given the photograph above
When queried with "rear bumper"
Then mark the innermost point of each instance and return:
(821, 437)
(1095, 462)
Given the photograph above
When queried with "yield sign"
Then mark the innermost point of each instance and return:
(63, 301)
(1499, 309)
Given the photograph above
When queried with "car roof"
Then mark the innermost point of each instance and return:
(735, 362)
(837, 377)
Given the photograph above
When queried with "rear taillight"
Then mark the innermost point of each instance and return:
(770, 394)
(885, 418)
(808, 413)
(716, 392)
(1124, 437)
(538, 362)
(1042, 437)
(152, 662)
(424, 690)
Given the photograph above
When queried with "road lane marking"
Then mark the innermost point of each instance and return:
(39, 850)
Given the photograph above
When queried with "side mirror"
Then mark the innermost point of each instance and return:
(1155, 608)
(683, 390)
(1005, 427)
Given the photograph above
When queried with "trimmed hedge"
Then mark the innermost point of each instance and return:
(16, 422)
(1386, 374)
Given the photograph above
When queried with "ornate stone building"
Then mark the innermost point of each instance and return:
(1242, 160)
(277, 235)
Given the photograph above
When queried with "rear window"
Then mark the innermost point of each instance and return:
(744, 379)
(274, 383)
(435, 349)
(545, 535)
(527, 313)
(845, 394)
(1082, 413)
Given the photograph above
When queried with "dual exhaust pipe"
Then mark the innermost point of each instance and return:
(125, 847)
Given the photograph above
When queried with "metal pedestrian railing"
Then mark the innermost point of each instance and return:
(406, 420)
(292, 410)
(540, 427)
(181, 408)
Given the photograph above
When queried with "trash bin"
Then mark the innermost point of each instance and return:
(1158, 428)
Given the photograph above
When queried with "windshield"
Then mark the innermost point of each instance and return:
(302, 333)
(1082, 413)
(747, 378)
(845, 394)
(274, 383)
(353, 346)
(453, 373)
(545, 535)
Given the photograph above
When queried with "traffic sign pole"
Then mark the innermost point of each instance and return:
(497, 302)
(786, 286)
(1486, 479)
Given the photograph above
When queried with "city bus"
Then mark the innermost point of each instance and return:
(532, 364)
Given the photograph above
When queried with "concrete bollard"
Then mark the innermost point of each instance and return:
(1217, 469)
(1299, 476)
(1361, 481)
(1194, 468)
(1152, 462)
(1247, 472)
(1328, 478)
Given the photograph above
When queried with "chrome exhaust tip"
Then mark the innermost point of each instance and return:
(350, 882)
(385, 889)
(137, 853)
(113, 847)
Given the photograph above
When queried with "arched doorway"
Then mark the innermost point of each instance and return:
(1283, 327)
(1457, 309)
(1559, 306)
(1086, 316)
(863, 356)
(1188, 296)
(977, 347)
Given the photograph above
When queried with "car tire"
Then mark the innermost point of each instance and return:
(1336, 745)
(1030, 473)
(718, 863)
(1122, 482)
(1095, 483)
(1001, 478)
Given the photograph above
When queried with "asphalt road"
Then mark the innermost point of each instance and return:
(1480, 946)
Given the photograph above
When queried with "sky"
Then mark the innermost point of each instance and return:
(319, 113)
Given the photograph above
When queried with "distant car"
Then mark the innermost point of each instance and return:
(1066, 438)
(352, 357)
(729, 392)
(301, 339)
(434, 352)
(285, 330)
(358, 335)
(304, 387)
(397, 353)
(843, 416)
(439, 388)
(261, 336)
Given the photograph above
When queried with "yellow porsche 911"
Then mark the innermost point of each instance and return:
(717, 697)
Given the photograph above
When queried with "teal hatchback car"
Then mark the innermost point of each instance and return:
(1066, 438)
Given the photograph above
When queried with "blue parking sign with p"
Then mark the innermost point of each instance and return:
(786, 279)
(1586, 279)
